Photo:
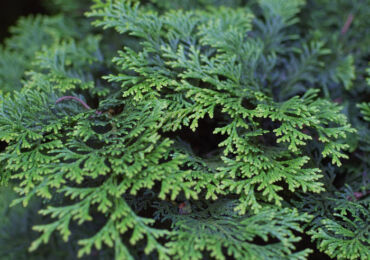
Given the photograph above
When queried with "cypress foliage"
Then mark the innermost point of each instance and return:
(188, 130)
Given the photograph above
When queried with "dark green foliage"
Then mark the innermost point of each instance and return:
(29, 37)
(209, 130)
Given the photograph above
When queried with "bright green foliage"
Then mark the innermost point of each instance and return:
(190, 62)
(222, 105)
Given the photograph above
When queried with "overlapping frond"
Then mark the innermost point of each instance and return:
(189, 143)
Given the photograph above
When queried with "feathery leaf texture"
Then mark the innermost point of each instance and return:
(252, 94)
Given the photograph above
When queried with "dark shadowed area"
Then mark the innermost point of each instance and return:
(11, 10)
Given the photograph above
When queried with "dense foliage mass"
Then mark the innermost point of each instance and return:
(180, 129)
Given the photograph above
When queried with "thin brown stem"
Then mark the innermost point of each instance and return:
(347, 24)
(78, 100)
